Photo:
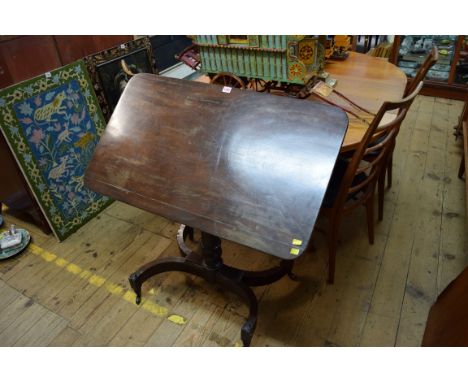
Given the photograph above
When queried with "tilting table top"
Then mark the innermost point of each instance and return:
(245, 166)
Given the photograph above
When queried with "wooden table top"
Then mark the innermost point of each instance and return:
(245, 166)
(367, 81)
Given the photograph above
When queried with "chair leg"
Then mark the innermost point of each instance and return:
(380, 193)
(332, 246)
(370, 218)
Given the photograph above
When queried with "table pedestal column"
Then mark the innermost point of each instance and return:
(209, 265)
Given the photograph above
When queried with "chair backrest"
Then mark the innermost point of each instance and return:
(430, 60)
(377, 142)
(383, 50)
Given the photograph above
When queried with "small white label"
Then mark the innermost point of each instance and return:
(227, 89)
(122, 46)
(48, 75)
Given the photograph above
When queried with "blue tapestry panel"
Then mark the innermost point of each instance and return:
(52, 124)
(62, 138)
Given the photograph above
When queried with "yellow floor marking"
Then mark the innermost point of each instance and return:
(179, 320)
(129, 296)
(72, 268)
(85, 274)
(61, 262)
(98, 281)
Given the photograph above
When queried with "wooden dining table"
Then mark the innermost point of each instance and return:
(368, 81)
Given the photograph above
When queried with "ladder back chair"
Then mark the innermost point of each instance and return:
(428, 63)
(353, 181)
(430, 60)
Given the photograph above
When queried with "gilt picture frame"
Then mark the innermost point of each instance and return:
(112, 68)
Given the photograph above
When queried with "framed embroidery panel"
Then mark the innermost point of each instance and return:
(111, 69)
(52, 124)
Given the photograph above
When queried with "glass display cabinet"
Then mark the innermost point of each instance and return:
(448, 77)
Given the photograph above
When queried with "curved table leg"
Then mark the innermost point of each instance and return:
(242, 290)
(210, 267)
(181, 264)
(167, 264)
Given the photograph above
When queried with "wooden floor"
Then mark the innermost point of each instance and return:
(76, 293)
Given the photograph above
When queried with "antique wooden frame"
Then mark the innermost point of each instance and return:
(109, 56)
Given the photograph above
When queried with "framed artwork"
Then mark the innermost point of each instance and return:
(52, 124)
(111, 69)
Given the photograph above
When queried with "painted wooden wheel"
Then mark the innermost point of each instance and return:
(258, 85)
(228, 79)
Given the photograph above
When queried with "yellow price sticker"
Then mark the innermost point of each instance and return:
(294, 251)
(296, 242)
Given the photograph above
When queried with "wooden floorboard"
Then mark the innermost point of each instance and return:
(76, 293)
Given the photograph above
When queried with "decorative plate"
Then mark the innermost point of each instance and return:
(13, 251)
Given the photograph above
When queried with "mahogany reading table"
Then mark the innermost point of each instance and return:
(248, 167)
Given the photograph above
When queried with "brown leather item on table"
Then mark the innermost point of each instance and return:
(245, 166)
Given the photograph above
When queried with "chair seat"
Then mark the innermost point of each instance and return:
(334, 186)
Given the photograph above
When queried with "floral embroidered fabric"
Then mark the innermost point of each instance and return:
(52, 124)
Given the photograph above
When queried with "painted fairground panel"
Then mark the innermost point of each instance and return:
(52, 124)
(289, 59)
(111, 69)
